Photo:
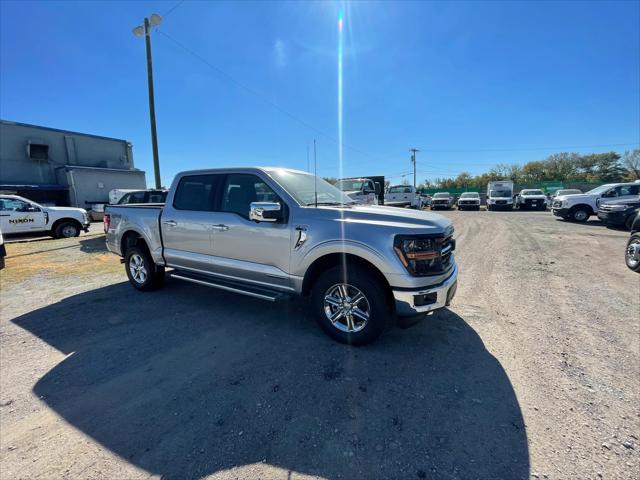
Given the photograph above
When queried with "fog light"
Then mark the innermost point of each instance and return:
(427, 299)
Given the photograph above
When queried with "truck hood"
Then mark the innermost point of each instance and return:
(396, 218)
(66, 209)
(575, 196)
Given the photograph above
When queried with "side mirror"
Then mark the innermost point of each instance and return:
(32, 209)
(265, 211)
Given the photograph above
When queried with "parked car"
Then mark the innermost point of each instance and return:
(3, 251)
(500, 195)
(619, 213)
(272, 233)
(426, 200)
(531, 199)
(143, 196)
(632, 253)
(469, 200)
(360, 190)
(20, 215)
(442, 200)
(580, 207)
(403, 196)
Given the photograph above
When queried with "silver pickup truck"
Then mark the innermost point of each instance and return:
(272, 233)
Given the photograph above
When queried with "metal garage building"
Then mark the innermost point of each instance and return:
(59, 167)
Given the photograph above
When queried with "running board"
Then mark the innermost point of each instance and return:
(261, 293)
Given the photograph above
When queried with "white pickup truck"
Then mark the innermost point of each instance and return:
(20, 215)
(403, 196)
(580, 207)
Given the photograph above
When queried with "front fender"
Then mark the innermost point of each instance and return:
(348, 247)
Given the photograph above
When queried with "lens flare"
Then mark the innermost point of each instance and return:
(340, 169)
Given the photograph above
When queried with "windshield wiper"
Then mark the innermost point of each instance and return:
(341, 204)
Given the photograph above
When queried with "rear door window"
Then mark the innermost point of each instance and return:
(197, 193)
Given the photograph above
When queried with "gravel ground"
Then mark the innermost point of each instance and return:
(533, 371)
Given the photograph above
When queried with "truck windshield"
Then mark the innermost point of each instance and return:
(500, 194)
(532, 192)
(441, 195)
(469, 195)
(303, 187)
(348, 185)
(599, 190)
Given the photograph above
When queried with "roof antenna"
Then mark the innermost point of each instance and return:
(315, 173)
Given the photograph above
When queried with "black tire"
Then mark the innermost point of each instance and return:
(634, 265)
(579, 214)
(150, 277)
(377, 306)
(629, 222)
(66, 230)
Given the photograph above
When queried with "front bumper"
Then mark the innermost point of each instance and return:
(615, 219)
(560, 212)
(426, 299)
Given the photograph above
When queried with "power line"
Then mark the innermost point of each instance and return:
(170, 11)
(262, 97)
(530, 148)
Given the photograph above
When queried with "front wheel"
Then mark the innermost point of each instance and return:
(66, 230)
(632, 253)
(351, 306)
(143, 273)
(579, 214)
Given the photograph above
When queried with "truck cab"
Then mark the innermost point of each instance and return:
(362, 190)
(580, 207)
(403, 196)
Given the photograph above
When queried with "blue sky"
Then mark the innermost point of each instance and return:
(469, 84)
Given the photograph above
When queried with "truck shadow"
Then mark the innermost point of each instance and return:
(189, 381)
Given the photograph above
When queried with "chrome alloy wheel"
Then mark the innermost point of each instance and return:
(137, 268)
(346, 307)
(633, 253)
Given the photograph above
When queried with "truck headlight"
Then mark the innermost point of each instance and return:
(424, 255)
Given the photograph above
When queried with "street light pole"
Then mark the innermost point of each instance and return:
(138, 31)
(152, 106)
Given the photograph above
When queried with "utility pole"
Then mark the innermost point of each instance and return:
(413, 159)
(153, 21)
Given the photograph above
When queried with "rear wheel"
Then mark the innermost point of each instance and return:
(143, 273)
(632, 254)
(351, 306)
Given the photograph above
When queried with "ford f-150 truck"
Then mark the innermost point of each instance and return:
(272, 233)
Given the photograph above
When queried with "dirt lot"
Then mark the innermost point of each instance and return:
(533, 372)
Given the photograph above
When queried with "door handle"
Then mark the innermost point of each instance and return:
(170, 223)
(220, 227)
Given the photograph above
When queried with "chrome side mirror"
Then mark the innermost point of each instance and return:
(265, 211)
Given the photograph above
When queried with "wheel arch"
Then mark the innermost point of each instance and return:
(60, 221)
(132, 238)
(584, 206)
(330, 260)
